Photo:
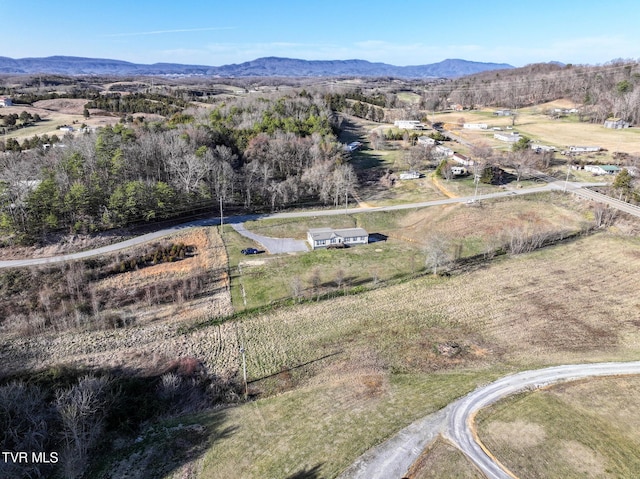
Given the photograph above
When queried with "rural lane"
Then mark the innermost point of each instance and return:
(393, 458)
(234, 220)
(576, 188)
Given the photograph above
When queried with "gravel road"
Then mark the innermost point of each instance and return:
(393, 458)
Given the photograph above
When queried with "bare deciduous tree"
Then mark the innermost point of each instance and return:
(437, 251)
(82, 409)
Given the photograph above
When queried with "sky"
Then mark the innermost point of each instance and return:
(409, 32)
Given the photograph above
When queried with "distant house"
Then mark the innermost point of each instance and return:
(503, 113)
(475, 126)
(456, 107)
(459, 171)
(583, 149)
(426, 141)
(325, 237)
(5, 101)
(508, 137)
(66, 129)
(616, 123)
(410, 175)
(602, 169)
(463, 160)
(409, 125)
(539, 148)
(443, 151)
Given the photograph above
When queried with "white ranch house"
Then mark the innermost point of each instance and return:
(475, 126)
(409, 125)
(325, 237)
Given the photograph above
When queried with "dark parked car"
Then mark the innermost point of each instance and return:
(250, 251)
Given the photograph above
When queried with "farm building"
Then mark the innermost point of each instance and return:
(475, 126)
(616, 123)
(5, 101)
(409, 125)
(602, 169)
(325, 237)
(502, 113)
(459, 171)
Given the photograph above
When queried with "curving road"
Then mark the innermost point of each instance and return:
(393, 458)
(556, 186)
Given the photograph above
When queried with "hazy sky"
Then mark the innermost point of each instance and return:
(218, 32)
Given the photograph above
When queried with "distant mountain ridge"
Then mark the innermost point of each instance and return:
(261, 67)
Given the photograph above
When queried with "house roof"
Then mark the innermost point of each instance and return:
(328, 233)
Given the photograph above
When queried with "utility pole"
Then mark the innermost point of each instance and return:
(346, 192)
(244, 372)
(221, 217)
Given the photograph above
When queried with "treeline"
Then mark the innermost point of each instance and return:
(138, 103)
(364, 106)
(255, 154)
(599, 92)
(28, 143)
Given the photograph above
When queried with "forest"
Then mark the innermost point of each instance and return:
(252, 154)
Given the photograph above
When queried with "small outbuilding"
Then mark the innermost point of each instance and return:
(616, 123)
(325, 237)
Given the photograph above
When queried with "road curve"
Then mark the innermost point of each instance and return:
(15, 263)
(393, 458)
(555, 186)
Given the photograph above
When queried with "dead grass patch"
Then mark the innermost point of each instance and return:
(584, 460)
(519, 435)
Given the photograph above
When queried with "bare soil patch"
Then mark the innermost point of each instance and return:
(70, 106)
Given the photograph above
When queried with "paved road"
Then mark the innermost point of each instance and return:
(392, 459)
(240, 219)
(555, 186)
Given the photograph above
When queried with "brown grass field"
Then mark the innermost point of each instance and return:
(331, 379)
(57, 113)
(535, 124)
(573, 430)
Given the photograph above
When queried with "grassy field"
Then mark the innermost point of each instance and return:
(330, 379)
(56, 113)
(536, 125)
(573, 430)
(260, 280)
(392, 364)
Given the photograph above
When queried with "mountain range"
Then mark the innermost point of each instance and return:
(261, 67)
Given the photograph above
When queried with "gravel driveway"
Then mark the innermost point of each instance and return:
(272, 245)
